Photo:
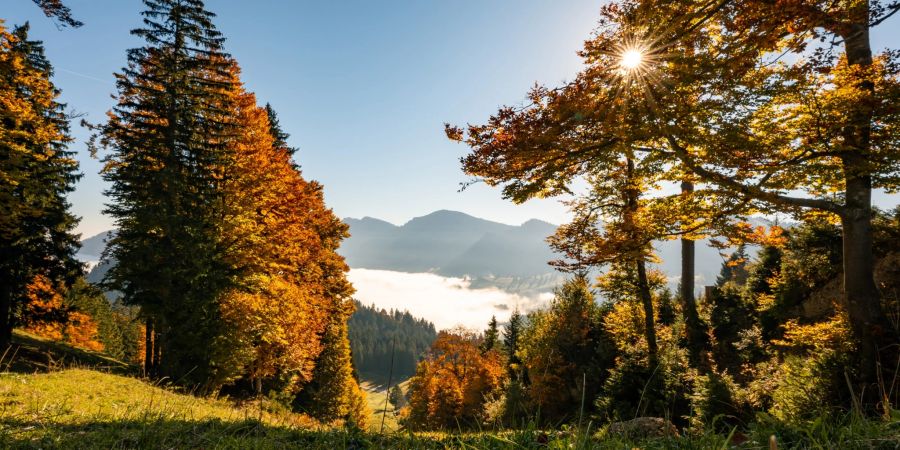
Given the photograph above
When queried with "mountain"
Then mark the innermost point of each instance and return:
(454, 244)
(450, 243)
(92, 247)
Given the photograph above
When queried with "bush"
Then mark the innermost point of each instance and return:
(715, 404)
(634, 389)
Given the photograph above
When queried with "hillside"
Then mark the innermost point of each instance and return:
(373, 333)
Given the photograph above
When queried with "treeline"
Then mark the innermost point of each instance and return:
(776, 343)
(694, 95)
(376, 333)
(226, 255)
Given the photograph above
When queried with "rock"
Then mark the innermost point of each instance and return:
(643, 427)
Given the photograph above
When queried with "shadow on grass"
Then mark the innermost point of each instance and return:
(30, 354)
(213, 433)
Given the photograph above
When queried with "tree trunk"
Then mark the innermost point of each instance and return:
(5, 317)
(649, 317)
(148, 348)
(696, 334)
(870, 326)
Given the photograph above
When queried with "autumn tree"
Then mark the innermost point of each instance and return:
(739, 96)
(453, 382)
(37, 243)
(817, 117)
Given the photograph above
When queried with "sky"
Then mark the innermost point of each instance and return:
(363, 87)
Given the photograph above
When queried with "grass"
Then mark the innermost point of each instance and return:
(375, 397)
(69, 398)
(29, 353)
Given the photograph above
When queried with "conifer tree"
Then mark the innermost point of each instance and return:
(490, 336)
(334, 393)
(511, 334)
(36, 172)
(169, 136)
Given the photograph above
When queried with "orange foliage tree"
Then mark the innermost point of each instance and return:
(453, 381)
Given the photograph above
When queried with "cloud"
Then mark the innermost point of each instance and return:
(447, 302)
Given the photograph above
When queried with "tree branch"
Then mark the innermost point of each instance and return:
(752, 191)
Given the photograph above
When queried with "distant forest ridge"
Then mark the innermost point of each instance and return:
(376, 333)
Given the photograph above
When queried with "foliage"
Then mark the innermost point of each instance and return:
(375, 332)
(453, 383)
(37, 243)
(56, 9)
(562, 348)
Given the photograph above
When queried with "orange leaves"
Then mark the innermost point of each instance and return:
(452, 383)
(282, 239)
(51, 319)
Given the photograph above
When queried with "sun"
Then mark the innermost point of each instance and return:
(631, 59)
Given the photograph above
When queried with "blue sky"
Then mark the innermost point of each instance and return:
(362, 86)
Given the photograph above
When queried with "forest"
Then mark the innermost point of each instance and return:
(688, 121)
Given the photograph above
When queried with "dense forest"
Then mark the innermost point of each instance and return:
(378, 337)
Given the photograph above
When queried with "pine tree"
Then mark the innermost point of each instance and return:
(491, 336)
(36, 173)
(279, 136)
(511, 344)
(334, 393)
(169, 135)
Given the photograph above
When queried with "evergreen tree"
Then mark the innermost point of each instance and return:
(36, 173)
(169, 135)
(334, 394)
(735, 268)
(491, 336)
(511, 334)
(279, 136)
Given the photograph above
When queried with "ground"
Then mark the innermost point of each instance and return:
(69, 398)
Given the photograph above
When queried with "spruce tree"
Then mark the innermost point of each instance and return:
(334, 393)
(491, 336)
(169, 137)
(36, 173)
(511, 344)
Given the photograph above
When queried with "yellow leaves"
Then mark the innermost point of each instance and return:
(834, 334)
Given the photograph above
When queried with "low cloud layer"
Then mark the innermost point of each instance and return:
(447, 302)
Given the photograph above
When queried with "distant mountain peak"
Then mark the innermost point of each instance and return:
(537, 224)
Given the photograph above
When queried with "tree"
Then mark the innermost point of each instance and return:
(333, 393)
(37, 243)
(56, 9)
(820, 122)
(511, 336)
(566, 352)
(170, 135)
(453, 383)
(491, 336)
